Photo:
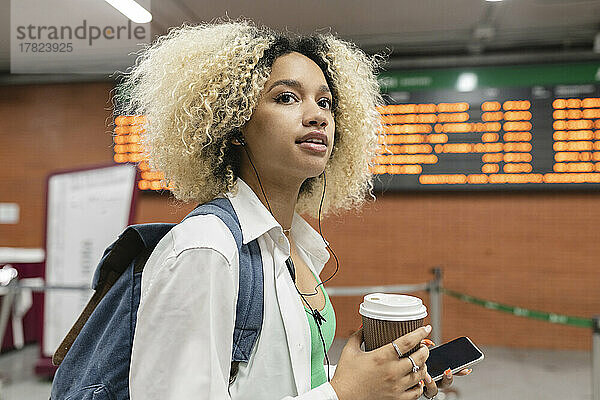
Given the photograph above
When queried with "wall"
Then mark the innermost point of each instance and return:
(534, 250)
(43, 129)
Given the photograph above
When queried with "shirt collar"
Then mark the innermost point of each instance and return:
(256, 220)
(309, 239)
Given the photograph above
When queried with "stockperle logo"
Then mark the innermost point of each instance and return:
(84, 31)
(74, 36)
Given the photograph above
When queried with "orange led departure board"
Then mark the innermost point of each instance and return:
(511, 127)
(491, 137)
(128, 148)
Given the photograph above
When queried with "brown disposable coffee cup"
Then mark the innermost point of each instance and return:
(386, 317)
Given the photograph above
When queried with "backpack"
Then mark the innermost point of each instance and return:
(95, 355)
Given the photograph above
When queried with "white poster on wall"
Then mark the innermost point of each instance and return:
(87, 210)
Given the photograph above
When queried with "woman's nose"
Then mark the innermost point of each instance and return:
(316, 116)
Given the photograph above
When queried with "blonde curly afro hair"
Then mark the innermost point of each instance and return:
(197, 86)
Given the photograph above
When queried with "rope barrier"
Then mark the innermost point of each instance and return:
(523, 312)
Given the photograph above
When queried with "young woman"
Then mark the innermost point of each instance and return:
(278, 125)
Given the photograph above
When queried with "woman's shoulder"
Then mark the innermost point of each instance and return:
(200, 240)
(202, 232)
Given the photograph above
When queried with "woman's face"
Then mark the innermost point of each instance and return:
(290, 134)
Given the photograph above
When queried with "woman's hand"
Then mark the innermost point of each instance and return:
(431, 388)
(380, 374)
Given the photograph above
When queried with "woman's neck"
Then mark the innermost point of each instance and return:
(281, 199)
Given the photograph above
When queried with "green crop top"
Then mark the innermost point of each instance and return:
(318, 375)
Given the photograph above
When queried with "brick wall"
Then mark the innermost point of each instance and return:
(43, 129)
(533, 250)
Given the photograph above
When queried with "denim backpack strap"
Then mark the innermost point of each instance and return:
(250, 302)
(136, 240)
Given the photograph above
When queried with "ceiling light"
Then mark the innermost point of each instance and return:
(131, 10)
(466, 82)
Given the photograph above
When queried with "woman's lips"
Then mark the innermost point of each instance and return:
(313, 147)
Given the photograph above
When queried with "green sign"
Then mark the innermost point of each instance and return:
(498, 76)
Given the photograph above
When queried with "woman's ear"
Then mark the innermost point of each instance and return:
(238, 138)
(238, 141)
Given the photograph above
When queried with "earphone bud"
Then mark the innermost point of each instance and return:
(238, 138)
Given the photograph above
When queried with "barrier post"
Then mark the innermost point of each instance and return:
(596, 357)
(435, 305)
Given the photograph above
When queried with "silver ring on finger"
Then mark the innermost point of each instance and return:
(397, 350)
(415, 367)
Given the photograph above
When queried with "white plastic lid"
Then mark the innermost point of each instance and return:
(392, 307)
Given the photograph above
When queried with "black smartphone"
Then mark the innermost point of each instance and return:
(457, 354)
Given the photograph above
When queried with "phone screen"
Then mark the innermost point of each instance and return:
(454, 354)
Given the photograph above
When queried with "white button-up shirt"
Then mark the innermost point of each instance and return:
(184, 333)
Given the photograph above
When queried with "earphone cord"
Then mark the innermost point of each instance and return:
(257, 177)
(337, 262)
(315, 313)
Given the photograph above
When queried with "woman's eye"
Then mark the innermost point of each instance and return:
(325, 103)
(285, 98)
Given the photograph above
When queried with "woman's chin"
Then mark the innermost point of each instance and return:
(315, 171)
(305, 169)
